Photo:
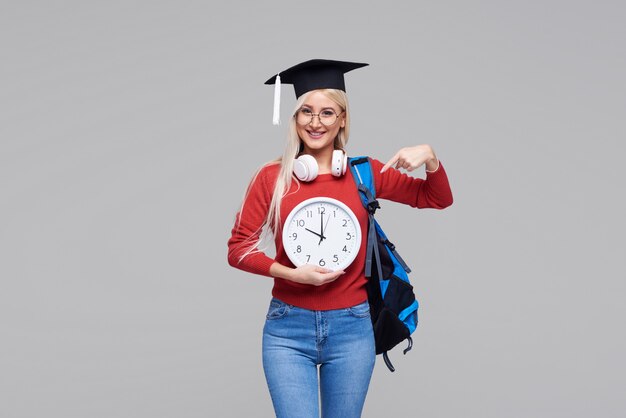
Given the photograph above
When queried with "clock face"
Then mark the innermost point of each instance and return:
(322, 231)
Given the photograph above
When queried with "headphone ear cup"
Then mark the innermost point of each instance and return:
(305, 168)
(339, 163)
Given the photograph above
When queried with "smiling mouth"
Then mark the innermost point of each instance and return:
(316, 134)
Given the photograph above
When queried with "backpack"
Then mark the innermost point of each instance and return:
(393, 306)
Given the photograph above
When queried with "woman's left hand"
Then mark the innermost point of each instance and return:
(411, 158)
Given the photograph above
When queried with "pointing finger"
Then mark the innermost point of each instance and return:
(393, 160)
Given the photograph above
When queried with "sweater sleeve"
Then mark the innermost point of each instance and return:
(432, 192)
(247, 229)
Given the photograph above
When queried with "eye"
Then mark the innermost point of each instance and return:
(306, 112)
(327, 113)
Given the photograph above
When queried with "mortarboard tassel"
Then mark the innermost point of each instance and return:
(276, 117)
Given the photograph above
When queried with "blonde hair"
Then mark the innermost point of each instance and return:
(260, 238)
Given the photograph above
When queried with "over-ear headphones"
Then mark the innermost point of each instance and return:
(305, 166)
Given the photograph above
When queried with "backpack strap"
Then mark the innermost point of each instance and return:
(367, 189)
(366, 186)
(365, 182)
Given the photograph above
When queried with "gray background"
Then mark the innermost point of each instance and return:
(129, 131)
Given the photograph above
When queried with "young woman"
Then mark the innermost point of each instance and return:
(318, 334)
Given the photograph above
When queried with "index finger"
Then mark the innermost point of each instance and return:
(391, 162)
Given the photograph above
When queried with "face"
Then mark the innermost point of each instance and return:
(314, 135)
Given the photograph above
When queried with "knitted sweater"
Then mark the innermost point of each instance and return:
(349, 289)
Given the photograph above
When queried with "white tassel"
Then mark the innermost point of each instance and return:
(276, 117)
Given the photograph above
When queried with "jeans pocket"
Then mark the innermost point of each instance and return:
(362, 310)
(278, 309)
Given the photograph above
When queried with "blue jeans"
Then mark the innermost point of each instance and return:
(296, 341)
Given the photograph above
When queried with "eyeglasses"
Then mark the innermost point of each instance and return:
(327, 117)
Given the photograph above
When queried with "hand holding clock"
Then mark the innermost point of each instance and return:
(305, 274)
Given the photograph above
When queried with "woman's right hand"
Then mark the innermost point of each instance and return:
(306, 274)
(314, 275)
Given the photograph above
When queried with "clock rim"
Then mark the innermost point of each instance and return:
(336, 202)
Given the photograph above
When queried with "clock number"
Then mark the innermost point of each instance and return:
(348, 236)
(335, 258)
(300, 222)
(294, 236)
(345, 250)
(308, 258)
(335, 213)
(345, 223)
(309, 213)
(298, 249)
(322, 262)
(321, 210)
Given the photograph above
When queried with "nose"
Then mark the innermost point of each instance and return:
(315, 120)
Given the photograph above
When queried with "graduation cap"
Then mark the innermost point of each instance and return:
(311, 75)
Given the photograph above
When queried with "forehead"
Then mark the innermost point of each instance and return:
(318, 100)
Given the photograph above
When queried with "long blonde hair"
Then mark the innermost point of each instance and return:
(260, 238)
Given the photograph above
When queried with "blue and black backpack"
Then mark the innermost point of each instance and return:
(393, 306)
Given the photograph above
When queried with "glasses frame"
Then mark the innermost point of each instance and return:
(318, 117)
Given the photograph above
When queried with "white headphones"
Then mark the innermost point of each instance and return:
(305, 166)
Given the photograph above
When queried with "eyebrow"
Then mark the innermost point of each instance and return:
(324, 108)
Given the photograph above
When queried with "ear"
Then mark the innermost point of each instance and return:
(343, 121)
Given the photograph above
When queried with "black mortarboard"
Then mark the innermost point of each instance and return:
(311, 75)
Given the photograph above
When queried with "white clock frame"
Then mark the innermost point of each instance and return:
(289, 244)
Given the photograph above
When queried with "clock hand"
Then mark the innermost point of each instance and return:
(313, 232)
(322, 237)
(327, 219)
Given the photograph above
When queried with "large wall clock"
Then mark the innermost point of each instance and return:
(322, 231)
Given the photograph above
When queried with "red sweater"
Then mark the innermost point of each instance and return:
(349, 289)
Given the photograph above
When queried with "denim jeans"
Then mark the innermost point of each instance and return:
(296, 341)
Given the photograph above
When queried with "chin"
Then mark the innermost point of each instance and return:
(316, 146)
